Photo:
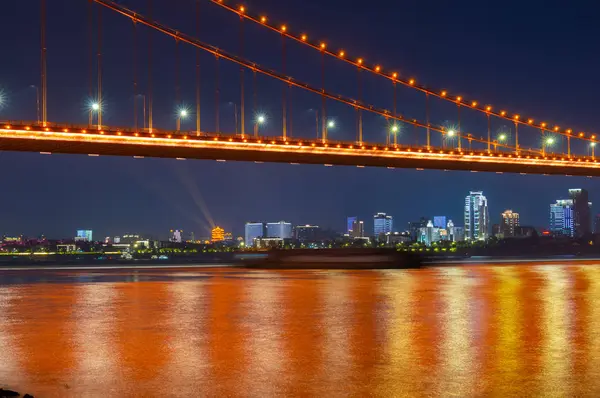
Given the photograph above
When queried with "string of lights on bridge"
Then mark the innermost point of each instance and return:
(378, 70)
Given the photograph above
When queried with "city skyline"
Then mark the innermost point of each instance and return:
(57, 194)
(433, 215)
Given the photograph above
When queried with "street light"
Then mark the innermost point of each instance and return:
(181, 115)
(95, 107)
(330, 124)
(260, 119)
(546, 142)
(394, 130)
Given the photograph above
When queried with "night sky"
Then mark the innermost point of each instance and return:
(536, 58)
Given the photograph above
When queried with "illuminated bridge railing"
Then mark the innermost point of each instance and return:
(125, 142)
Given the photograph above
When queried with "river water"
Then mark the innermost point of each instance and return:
(465, 331)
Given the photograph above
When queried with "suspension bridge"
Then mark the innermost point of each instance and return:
(530, 146)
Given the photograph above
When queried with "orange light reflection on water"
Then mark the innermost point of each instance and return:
(511, 330)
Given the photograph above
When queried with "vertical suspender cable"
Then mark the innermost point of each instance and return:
(459, 133)
(242, 111)
(283, 98)
(427, 117)
(177, 89)
(100, 104)
(517, 137)
(290, 109)
(489, 138)
(197, 69)
(395, 103)
(323, 109)
(135, 87)
(217, 93)
(90, 60)
(43, 62)
(360, 130)
(150, 70)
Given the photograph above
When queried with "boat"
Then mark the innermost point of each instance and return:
(329, 259)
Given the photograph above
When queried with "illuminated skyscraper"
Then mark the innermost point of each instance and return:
(84, 235)
(217, 234)
(279, 229)
(350, 221)
(476, 217)
(582, 217)
(561, 218)
(254, 230)
(510, 221)
(307, 233)
(358, 229)
(439, 221)
(382, 224)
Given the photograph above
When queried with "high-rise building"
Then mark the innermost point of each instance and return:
(84, 235)
(414, 228)
(358, 229)
(382, 224)
(510, 220)
(429, 234)
(350, 221)
(451, 232)
(439, 221)
(307, 233)
(459, 234)
(254, 230)
(176, 236)
(217, 234)
(582, 218)
(476, 217)
(279, 229)
(561, 218)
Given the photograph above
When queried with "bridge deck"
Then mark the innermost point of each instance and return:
(113, 142)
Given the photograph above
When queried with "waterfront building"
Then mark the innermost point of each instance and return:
(476, 216)
(279, 229)
(307, 233)
(582, 215)
(358, 228)
(429, 234)
(382, 224)
(254, 230)
(439, 221)
(217, 234)
(510, 221)
(414, 228)
(561, 218)
(84, 235)
(350, 221)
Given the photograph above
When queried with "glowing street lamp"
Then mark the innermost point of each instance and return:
(394, 131)
(330, 124)
(547, 142)
(94, 107)
(182, 114)
(502, 137)
(260, 119)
